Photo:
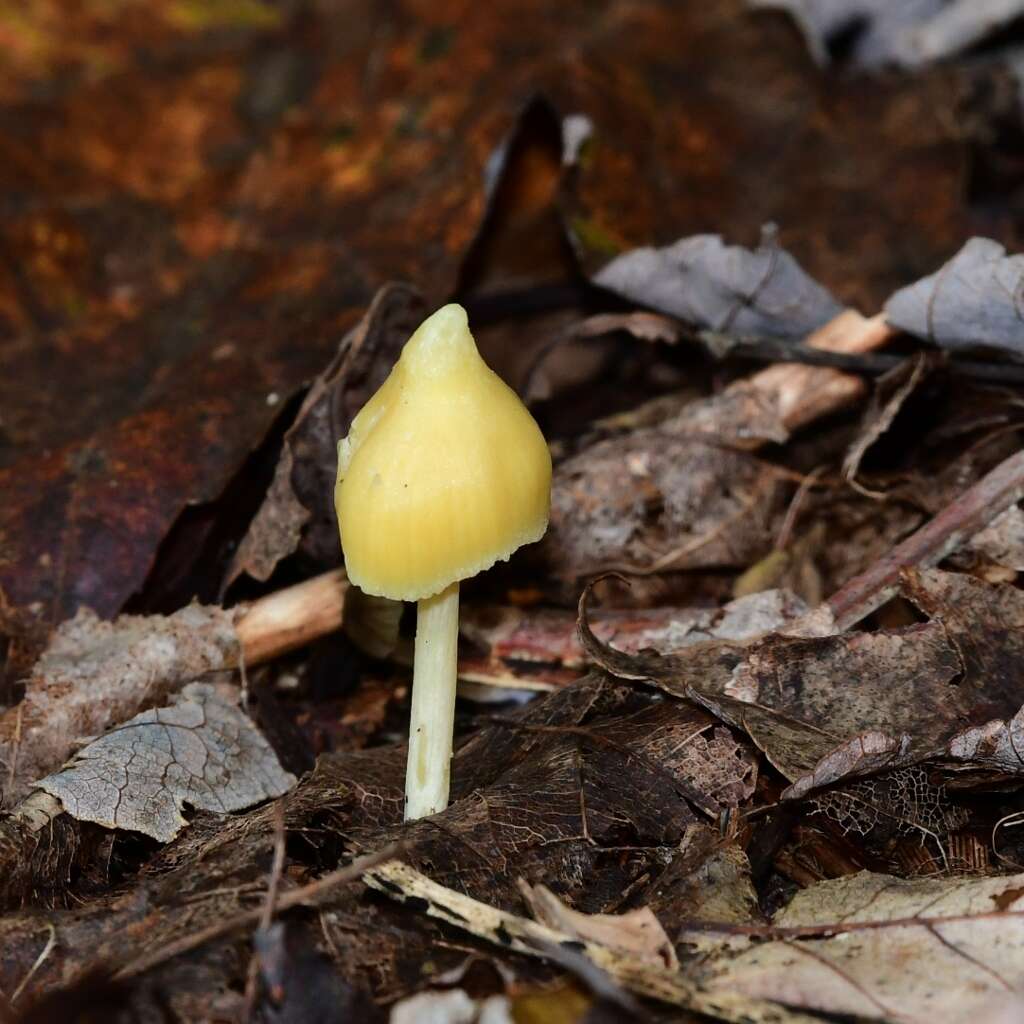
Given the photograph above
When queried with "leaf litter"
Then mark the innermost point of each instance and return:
(765, 780)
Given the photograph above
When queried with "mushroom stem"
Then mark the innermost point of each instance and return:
(432, 722)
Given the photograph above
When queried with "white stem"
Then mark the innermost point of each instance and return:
(434, 674)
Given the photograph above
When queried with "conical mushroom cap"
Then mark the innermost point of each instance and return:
(443, 472)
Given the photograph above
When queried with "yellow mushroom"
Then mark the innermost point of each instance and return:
(443, 473)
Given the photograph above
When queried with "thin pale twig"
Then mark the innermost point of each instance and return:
(269, 903)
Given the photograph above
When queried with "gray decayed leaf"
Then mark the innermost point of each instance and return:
(723, 288)
(977, 298)
(200, 750)
(95, 674)
(910, 32)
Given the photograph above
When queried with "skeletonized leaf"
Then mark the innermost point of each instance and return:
(200, 750)
(724, 287)
(977, 298)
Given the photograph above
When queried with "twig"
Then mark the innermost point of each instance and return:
(832, 928)
(770, 350)
(39, 961)
(296, 897)
(269, 904)
(291, 618)
(793, 512)
(971, 512)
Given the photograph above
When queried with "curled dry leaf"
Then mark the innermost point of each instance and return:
(707, 283)
(891, 391)
(549, 635)
(201, 751)
(637, 932)
(929, 951)
(974, 299)
(294, 509)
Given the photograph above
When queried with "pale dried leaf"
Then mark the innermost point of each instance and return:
(975, 299)
(1002, 541)
(521, 935)
(637, 932)
(705, 282)
(200, 750)
(953, 948)
(96, 674)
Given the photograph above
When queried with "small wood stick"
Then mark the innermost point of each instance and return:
(291, 618)
(950, 529)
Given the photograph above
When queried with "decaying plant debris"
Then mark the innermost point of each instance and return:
(741, 738)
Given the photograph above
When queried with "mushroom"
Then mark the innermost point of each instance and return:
(443, 473)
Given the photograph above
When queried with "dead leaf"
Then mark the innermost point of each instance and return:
(654, 503)
(200, 751)
(929, 950)
(294, 509)
(398, 881)
(891, 391)
(96, 674)
(909, 34)
(706, 283)
(637, 932)
(975, 299)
